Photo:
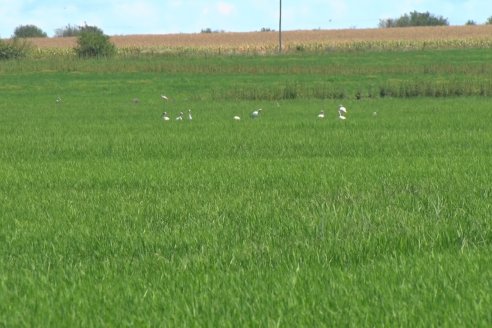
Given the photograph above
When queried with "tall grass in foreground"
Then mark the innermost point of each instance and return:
(110, 217)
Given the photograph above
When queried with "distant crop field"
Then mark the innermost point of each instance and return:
(451, 36)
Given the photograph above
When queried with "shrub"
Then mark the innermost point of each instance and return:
(209, 30)
(91, 29)
(29, 31)
(14, 49)
(92, 42)
(414, 19)
(67, 31)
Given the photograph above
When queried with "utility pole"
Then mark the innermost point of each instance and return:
(280, 28)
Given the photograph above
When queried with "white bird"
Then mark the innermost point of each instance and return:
(136, 100)
(374, 114)
(321, 114)
(189, 115)
(341, 112)
(165, 116)
(180, 117)
(163, 97)
(256, 113)
(58, 99)
(237, 118)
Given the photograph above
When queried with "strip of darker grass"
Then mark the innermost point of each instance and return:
(352, 75)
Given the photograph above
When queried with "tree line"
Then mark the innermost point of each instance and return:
(32, 31)
(91, 42)
(413, 18)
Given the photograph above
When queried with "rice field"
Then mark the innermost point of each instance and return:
(112, 217)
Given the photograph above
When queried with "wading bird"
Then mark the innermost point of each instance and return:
(165, 116)
(163, 97)
(256, 113)
(180, 116)
(236, 118)
(341, 112)
(321, 114)
(189, 115)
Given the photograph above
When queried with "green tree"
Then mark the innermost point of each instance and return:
(92, 42)
(470, 22)
(29, 31)
(414, 19)
(489, 20)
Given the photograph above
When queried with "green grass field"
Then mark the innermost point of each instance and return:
(111, 217)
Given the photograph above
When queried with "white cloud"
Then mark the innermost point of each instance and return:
(225, 8)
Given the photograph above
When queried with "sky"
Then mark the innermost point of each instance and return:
(125, 17)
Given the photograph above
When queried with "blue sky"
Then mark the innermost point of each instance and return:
(120, 17)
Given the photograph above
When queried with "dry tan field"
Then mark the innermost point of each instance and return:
(250, 38)
(411, 37)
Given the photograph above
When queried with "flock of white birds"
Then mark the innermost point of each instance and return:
(165, 116)
(342, 112)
